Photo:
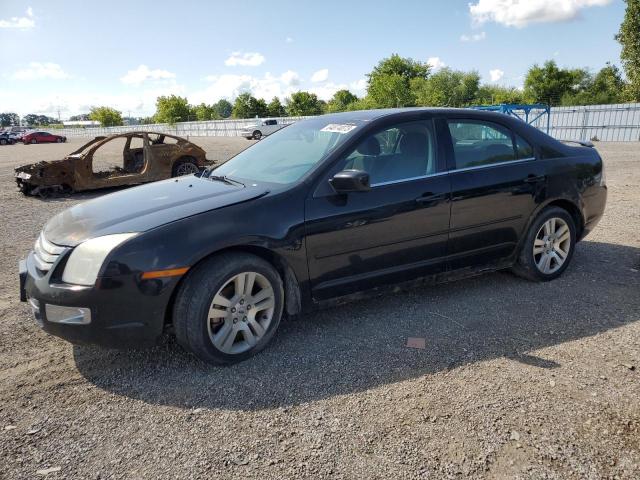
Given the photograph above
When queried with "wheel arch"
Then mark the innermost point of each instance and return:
(572, 209)
(566, 204)
(292, 293)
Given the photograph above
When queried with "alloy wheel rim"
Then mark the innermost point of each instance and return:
(241, 312)
(187, 169)
(552, 245)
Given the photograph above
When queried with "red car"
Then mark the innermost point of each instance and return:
(42, 137)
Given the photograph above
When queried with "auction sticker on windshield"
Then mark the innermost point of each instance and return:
(338, 128)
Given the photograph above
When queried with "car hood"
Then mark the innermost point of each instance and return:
(145, 207)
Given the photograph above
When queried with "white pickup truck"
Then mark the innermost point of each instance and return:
(261, 128)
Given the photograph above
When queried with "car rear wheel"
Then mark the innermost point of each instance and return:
(3, 141)
(548, 246)
(228, 308)
(257, 135)
(34, 141)
(184, 167)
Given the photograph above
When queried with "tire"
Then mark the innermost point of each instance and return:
(530, 265)
(196, 330)
(3, 141)
(58, 140)
(257, 135)
(34, 141)
(184, 166)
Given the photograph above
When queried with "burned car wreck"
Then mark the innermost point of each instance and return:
(125, 159)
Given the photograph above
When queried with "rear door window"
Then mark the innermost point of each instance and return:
(477, 143)
(523, 148)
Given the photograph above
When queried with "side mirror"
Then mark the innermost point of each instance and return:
(350, 181)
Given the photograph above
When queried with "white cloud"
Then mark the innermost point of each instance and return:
(144, 73)
(474, 37)
(359, 87)
(38, 70)
(320, 75)
(436, 63)
(20, 22)
(496, 75)
(290, 78)
(289, 40)
(140, 103)
(246, 59)
(230, 86)
(519, 13)
(326, 91)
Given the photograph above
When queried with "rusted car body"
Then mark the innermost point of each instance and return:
(155, 156)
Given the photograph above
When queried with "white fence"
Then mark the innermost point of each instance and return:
(607, 123)
(211, 128)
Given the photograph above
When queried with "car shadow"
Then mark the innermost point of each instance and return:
(362, 345)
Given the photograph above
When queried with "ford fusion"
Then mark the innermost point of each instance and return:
(324, 209)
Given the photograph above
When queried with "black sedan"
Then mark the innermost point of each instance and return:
(320, 211)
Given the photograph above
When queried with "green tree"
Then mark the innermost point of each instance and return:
(548, 84)
(340, 101)
(275, 108)
(83, 117)
(389, 83)
(629, 38)
(447, 88)
(407, 68)
(495, 95)
(304, 103)
(390, 91)
(607, 86)
(9, 119)
(107, 116)
(223, 108)
(171, 109)
(248, 106)
(33, 120)
(205, 112)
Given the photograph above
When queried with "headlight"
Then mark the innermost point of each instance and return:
(86, 259)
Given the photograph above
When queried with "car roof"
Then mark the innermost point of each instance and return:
(369, 115)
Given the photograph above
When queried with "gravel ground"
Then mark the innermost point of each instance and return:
(518, 380)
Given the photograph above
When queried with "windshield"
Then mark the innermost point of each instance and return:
(285, 156)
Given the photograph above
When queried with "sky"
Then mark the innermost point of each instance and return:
(64, 57)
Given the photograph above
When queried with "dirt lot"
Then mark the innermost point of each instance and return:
(518, 380)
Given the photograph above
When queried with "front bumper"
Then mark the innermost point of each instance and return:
(123, 311)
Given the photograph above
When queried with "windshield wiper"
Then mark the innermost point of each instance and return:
(225, 179)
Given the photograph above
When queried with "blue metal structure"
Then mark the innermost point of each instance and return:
(526, 112)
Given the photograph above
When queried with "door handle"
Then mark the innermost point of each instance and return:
(430, 197)
(535, 178)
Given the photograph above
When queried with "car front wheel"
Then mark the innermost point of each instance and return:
(548, 246)
(228, 308)
(58, 140)
(257, 135)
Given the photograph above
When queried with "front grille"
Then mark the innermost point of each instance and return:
(45, 253)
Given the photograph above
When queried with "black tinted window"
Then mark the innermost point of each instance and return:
(478, 143)
(523, 148)
(397, 153)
